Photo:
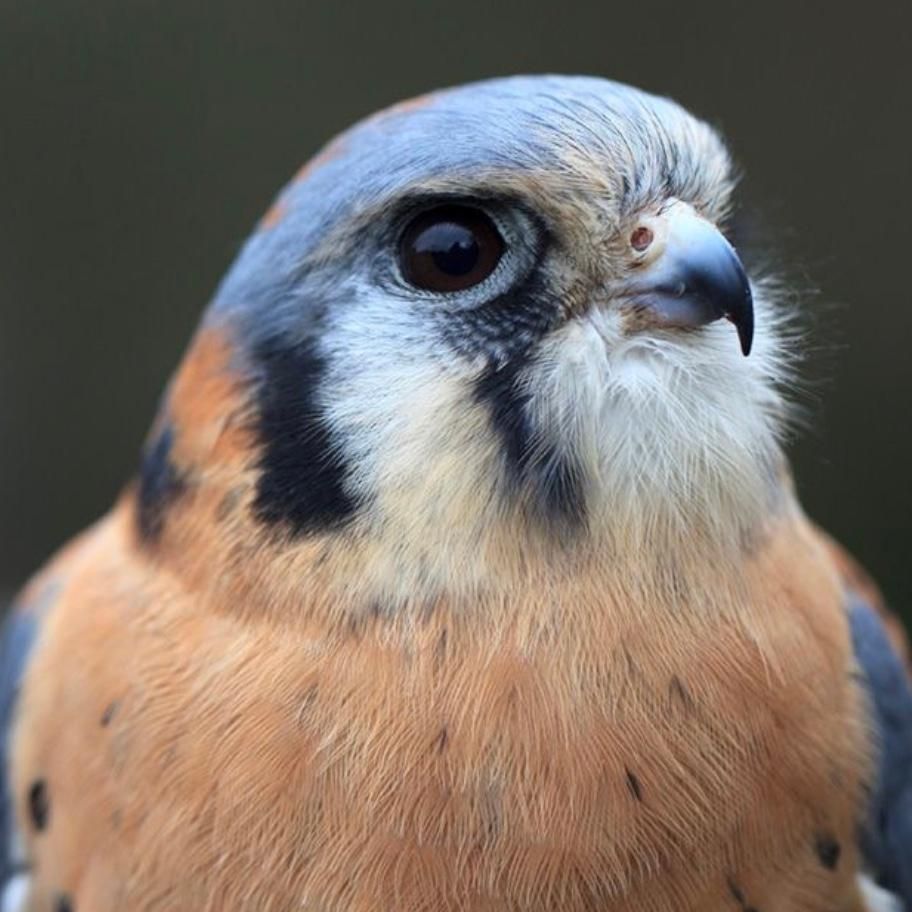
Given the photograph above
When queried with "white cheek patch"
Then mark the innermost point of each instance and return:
(421, 453)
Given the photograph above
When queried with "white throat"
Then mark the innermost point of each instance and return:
(678, 433)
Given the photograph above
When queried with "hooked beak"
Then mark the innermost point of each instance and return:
(689, 275)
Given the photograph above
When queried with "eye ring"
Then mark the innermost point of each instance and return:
(450, 248)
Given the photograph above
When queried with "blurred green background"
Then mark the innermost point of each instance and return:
(140, 140)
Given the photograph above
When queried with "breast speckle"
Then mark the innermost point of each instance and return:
(39, 804)
(828, 850)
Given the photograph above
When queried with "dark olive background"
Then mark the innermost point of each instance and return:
(140, 140)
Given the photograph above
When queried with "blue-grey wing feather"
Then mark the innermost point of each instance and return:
(16, 640)
(886, 839)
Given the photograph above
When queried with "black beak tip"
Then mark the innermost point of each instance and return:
(742, 315)
(745, 327)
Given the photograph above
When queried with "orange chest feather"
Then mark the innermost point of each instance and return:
(194, 761)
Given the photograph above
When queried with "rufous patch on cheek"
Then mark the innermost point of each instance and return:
(208, 404)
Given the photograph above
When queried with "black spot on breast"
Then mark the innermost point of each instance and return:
(303, 474)
(828, 850)
(63, 903)
(39, 804)
(440, 649)
(533, 464)
(160, 484)
(442, 740)
(109, 713)
(738, 896)
(680, 693)
(633, 784)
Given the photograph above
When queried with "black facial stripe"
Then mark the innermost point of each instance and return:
(532, 462)
(302, 482)
(160, 484)
(555, 481)
(507, 329)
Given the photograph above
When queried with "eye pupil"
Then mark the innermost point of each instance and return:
(459, 257)
(450, 248)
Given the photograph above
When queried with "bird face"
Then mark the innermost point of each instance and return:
(509, 305)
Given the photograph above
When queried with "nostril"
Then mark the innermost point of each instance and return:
(641, 238)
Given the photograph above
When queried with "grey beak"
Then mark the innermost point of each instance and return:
(697, 278)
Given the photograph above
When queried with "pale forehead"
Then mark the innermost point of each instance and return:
(581, 133)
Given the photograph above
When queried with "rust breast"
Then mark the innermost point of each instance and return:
(560, 749)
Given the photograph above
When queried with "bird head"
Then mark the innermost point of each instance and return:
(502, 317)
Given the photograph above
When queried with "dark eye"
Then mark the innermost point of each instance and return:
(450, 248)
